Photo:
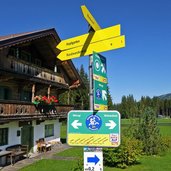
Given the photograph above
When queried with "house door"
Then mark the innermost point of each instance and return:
(27, 136)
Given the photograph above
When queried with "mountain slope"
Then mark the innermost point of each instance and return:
(165, 96)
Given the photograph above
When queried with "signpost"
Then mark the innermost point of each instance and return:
(100, 82)
(100, 95)
(93, 129)
(99, 68)
(100, 46)
(93, 160)
(90, 19)
(89, 38)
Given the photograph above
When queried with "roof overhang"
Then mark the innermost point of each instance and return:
(45, 41)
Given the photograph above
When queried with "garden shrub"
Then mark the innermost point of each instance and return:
(165, 144)
(79, 165)
(125, 155)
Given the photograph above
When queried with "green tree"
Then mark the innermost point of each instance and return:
(123, 107)
(82, 95)
(109, 100)
(78, 97)
(148, 132)
(128, 107)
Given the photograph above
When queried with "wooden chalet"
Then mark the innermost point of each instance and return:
(28, 68)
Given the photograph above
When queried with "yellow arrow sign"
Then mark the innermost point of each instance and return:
(90, 19)
(101, 46)
(92, 37)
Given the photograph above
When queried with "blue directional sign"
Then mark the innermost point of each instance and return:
(93, 160)
(100, 95)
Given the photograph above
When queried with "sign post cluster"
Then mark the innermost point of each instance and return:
(97, 127)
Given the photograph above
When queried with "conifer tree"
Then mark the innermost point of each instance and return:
(109, 99)
(148, 132)
(78, 97)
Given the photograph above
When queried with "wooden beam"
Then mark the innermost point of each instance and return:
(48, 92)
(5, 78)
(33, 92)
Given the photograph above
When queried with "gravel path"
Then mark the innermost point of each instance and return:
(36, 157)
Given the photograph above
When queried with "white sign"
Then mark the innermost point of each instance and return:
(93, 161)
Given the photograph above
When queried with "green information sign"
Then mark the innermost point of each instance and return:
(99, 65)
(90, 128)
(100, 82)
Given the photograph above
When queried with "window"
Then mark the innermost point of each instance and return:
(5, 93)
(37, 62)
(3, 136)
(15, 52)
(49, 130)
(12, 52)
(25, 96)
(26, 56)
(57, 69)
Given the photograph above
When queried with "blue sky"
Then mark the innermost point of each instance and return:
(142, 68)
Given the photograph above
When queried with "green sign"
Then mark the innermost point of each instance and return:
(100, 82)
(100, 95)
(90, 128)
(99, 65)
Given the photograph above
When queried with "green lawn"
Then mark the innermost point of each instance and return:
(73, 152)
(160, 120)
(165, 130)
(150, 163)
(51, 165)
(147, 163)
(164, 120)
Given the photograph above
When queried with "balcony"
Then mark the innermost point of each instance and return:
(10, 111)
(22, 67)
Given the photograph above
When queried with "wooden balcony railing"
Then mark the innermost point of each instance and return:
(19, 111)
(23, 67)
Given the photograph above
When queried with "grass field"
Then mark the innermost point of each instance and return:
(147, 163)
(162, 120)
(51, 165)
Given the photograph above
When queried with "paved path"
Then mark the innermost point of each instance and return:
(47, 155)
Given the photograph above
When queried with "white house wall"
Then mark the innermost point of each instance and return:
(39, 132)
(12, 134)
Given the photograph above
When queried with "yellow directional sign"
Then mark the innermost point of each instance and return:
(101, 46)
(92, 37)
(90, 19)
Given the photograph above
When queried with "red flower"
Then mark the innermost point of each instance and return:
(45, 100)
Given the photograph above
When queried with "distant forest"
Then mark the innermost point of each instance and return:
(129, 107)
